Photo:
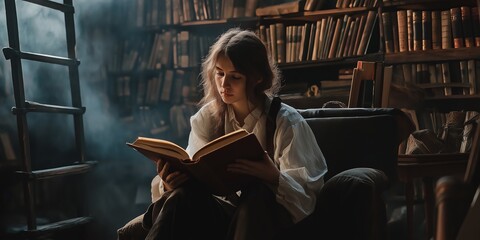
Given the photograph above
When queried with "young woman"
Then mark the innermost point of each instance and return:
(239, 80)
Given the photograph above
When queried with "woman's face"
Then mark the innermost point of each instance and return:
(231, 84)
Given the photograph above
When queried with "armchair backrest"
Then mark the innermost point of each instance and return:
(359, 137)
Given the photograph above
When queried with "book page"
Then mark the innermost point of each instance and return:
(220, 142)
(161, 146)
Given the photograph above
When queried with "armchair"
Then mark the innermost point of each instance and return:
(360, 146)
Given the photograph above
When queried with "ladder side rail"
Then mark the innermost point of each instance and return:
(74, 81)
(22, 125)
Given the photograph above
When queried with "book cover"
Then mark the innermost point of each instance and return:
(402, 30)
(209, 164)
(387, 32)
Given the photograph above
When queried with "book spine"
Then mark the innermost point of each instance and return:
(280, 37)
(457, 33)
(417, 30)
(446, 30)
(402, 30)
(426, 30)
(476, 26)
(436, 30)
(467, 26)
(387, 32)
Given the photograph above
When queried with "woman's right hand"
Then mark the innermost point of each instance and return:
(171, 180)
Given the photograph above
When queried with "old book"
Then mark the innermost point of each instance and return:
(348, 42)
(395, 32)
(316, 44)
(336, 36)
(280, 42)
(476, 26)
(410, 29)
(457, 32)
(426, 30)
(304, 42)
(209, 164)
(402, 30)
(327, 33)
(446, 20)
(472, 78)
(436, 30)
(344, 36)
(239, 8)
(367, 33)
(387, 32)
(311, 41)
(273, 41)
(359, 34)
(227, 9)
(417, 30)
(281, 8)
(465, 12)
(250, 7)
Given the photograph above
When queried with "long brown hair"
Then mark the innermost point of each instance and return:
(250, 57)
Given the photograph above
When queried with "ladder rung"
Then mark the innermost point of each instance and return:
(53, 5)
(58, 172)
(12, 53)
(47, 108)
(49, 228)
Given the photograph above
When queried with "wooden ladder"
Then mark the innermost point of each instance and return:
(26, 174)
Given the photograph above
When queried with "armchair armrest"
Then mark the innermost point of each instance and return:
(350, 206)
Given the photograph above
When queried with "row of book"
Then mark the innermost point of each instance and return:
(329, 37)
(169, 49)
(441, 79)
(174, 86)
(356, 3)
(166, 12)
(418, 30)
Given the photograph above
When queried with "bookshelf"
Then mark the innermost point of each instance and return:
(443, 61)
(432, 47)
(139, 79)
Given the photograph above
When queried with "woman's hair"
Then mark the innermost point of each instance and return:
(250, 57)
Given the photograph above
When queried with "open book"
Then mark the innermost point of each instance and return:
(208, 165)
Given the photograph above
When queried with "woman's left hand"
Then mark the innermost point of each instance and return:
(264, 169)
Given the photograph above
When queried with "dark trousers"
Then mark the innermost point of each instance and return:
(190, 212)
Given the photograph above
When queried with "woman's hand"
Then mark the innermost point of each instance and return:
(171, 180)
(264, 169)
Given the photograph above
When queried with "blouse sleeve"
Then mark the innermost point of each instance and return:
(301, 162)
(198, 137)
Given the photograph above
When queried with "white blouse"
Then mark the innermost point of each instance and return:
(296, 153)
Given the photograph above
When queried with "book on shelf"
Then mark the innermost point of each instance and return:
(457, 32)
(336, 36)
(466, 18)
(281, 8)
(387, 32)
(367, 32)
(209, 164)
(436, 30)
(402, 30)
(476, 26)
(280, 42)
(250, 7)
(239, 8)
